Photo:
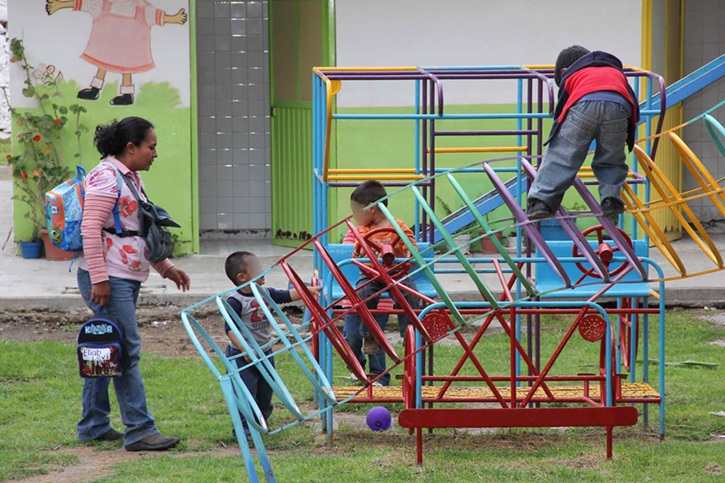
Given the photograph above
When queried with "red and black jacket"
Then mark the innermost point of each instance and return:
(594, 72)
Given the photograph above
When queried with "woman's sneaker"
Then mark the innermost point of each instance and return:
(155, 442)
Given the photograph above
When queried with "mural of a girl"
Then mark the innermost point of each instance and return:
(120, 40)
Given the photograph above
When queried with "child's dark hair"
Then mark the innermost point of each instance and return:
(369, 192)
(111, 139)
(567, 57)
(236, 263)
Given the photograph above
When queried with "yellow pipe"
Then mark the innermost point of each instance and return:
(392, 177)
(653, 172)
(708, 184)
(382, 170)
(510, 149)
(646, 221)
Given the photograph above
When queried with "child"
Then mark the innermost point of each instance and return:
(595, 103)
(370, 219)
(355, 341)
(242, 267)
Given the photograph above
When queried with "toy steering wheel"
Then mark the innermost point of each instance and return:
(605, 251)
(386, 252)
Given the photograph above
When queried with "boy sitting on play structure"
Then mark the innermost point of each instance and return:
(369, 220)
(595, 103)
(242, 267)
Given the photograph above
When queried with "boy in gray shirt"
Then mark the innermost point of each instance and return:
(242, 267)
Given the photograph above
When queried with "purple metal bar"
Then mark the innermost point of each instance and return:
(627, 251)
(521, 217)
(514, 132)
(343, 184)
(432, 159)
(576, 236)
(427, 234)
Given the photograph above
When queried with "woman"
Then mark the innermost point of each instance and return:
(110, 275)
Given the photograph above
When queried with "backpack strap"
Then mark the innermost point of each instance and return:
(116, 215)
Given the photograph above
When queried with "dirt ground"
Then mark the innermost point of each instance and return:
(162, 331)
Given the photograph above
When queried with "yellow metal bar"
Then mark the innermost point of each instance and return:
(645, 220)
(392, 177)
(539, 66)
(655, 175)
(709, 185)
(505, 149)
(381, 170)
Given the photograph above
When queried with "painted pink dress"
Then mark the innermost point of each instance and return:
(121, 34)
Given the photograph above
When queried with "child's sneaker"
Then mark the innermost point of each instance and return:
(612, 207)
(354, 379)
(538, 210)
(370, 346)
(377, 384)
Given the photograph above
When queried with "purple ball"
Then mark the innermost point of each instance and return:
(379, 419)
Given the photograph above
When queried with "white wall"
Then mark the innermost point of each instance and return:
(704, 41)
(474, 32)
(61, 38)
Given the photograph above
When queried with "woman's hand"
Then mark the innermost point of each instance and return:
(179, 17)
(101, 293)
(180, 278)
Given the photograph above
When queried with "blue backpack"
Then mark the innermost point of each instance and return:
(64, 211)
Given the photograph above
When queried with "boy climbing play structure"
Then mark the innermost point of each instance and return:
(595, 289)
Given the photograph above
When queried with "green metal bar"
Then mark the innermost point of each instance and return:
(484, 224)
(423, 264)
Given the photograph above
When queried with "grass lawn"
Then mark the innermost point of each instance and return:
(40, 404)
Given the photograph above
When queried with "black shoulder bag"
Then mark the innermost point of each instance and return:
(154, 220)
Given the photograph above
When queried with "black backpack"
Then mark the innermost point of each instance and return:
(100, 347)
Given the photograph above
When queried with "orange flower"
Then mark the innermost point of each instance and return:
(9, 156)
(37, 138)
(36, 173)
(57, 121)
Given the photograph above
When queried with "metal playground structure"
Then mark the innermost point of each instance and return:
(596, 288)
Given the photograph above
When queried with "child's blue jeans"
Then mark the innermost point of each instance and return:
(603, 121)
(258, 386)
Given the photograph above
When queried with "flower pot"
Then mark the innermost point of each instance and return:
(31, 249)
(487, 245)
(52, 252)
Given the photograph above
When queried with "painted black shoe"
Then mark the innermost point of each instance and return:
(612, 207)
(110, 435)
(89, 94)
(155, 442)
(122, 100)
(538, 210)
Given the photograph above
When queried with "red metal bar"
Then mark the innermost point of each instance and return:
(519, 418)
(357, 303)
(540, 380)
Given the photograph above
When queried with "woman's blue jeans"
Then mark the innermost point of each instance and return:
(129, 387)
(586, 121)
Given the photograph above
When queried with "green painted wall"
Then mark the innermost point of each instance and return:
(169, 183)
(391, 144)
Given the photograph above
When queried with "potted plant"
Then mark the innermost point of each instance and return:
(39, 162)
